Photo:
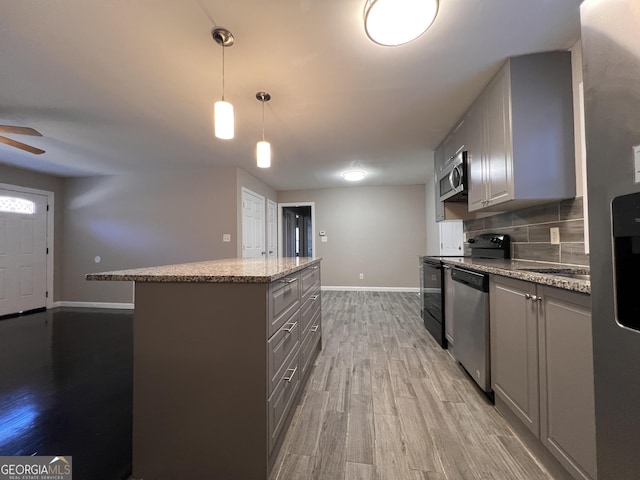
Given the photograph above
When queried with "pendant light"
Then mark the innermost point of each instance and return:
(396, 22)
(263, 149)
(222, 110)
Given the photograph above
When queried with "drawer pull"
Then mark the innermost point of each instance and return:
(315, 268)
(314, 329)
(314, 297)
(291, 327)
(288, 280)
(290, 377)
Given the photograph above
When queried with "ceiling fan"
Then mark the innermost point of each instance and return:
(20, 131)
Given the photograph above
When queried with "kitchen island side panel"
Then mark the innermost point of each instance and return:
(200, 390)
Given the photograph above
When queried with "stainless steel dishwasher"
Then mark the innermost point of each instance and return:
(471, 327)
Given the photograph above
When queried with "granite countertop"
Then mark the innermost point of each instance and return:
(527, 270)
(230, 270)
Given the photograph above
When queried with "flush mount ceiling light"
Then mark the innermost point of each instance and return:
(223, 111)
(263, 149)
(353, 175)
(396, 22)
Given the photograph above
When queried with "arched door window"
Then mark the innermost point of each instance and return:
(17, 205)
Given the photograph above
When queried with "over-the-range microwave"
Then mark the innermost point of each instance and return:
(453, 179)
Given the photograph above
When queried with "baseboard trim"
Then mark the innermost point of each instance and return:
(331, 288)
(118, 306)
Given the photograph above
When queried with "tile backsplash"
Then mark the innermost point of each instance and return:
(529, 231)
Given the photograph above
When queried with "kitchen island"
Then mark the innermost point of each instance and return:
(221, 352)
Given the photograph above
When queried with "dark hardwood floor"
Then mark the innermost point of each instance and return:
(66, 388)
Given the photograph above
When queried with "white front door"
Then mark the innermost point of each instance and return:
(272, 228)
(252, 224)
(23, 251)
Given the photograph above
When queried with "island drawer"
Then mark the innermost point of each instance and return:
(309, 277)
(310, 343)
(282, 398)
(281, 346)
(309, 309)
(284, 299)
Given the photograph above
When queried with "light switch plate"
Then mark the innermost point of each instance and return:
(554, 232)
(636, 161)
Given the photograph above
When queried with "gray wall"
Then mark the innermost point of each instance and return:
(142, 220)
(50, 183)
(377, 231)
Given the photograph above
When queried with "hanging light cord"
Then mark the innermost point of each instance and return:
(223, 73)
(263, 119)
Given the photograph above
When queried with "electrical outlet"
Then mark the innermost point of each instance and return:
(226, 237)
(555, 235)
(362, 276)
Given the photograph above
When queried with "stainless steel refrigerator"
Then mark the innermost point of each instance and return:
(611, 66)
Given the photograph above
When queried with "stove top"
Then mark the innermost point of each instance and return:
(490, 245)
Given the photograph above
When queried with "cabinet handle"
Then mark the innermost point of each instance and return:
(288, 280)
(290, 377)
(290, 329)
(314, 297)
(314, 329)
(315, 267)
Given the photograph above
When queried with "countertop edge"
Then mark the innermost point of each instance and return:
(563, 283)
(147, 275)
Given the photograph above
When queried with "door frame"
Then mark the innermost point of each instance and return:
(50, 230)
(313, 223)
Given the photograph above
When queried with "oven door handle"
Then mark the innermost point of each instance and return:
(455, 174)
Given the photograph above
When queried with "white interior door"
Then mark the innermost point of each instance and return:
(253, 212)
(23, 251)
(272, 228)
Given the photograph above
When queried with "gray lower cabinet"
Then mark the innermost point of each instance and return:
(514, 349)
(295, 304)
(567, 411)
(542, 368)
(218, 369)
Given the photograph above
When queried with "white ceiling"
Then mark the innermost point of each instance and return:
(128, 86)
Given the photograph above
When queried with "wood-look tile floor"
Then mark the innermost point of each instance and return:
(385, 402)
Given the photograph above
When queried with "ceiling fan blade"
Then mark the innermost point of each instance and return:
(20, 145)
(19, 130)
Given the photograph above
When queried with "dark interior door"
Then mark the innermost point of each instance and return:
(297, 232)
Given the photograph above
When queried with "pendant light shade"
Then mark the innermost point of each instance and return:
(263, 149)
(396, 22)
(223, 120)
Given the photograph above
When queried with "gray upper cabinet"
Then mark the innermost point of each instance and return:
(439, 159)
(521, 128)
